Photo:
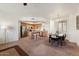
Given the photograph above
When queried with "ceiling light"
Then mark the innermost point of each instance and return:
(25, 4)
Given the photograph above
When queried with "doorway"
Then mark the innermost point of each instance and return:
(27, 28)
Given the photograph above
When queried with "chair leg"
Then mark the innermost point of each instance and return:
(49, 40)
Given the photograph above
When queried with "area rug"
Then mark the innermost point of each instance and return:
(13, 51)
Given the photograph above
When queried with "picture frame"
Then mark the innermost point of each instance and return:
(77, 22)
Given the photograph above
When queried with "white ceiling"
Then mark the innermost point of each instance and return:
(45, 10)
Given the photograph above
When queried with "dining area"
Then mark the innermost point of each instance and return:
(57, 39)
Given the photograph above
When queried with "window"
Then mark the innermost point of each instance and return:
(62, 26)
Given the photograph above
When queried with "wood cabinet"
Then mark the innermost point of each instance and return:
(44, 33)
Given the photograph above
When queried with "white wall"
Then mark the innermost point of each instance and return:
(52, 26)
(73, 33)
(11, 35)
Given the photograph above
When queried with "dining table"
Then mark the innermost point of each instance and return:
(56, 39)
